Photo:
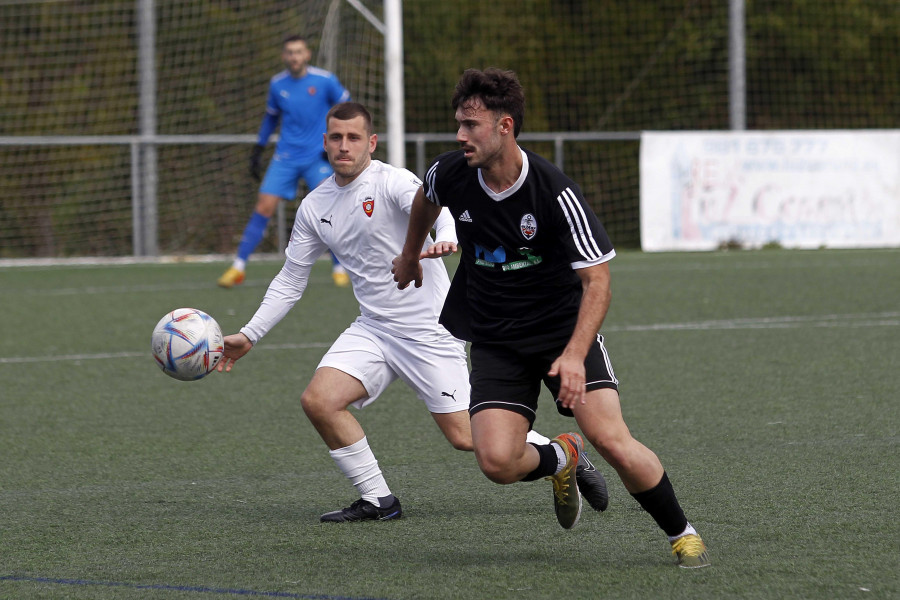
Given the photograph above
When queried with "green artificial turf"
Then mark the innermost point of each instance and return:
(767, 382)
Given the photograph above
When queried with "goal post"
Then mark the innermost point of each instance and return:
(394, 89)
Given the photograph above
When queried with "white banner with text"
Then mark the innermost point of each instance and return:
(798, 189)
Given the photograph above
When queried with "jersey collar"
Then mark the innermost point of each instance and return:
(510, 190)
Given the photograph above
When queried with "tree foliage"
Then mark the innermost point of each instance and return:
(70, 68)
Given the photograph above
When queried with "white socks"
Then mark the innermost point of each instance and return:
(534, 437)
(687, 531)
(240, 265)
(358, 464)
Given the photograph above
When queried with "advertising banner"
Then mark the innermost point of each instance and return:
(797, 189)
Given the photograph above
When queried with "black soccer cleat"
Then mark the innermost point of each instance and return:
(363, 510)
(591, 483)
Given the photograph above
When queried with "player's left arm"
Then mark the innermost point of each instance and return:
(595, 300)
(338, 92)
(589, 250)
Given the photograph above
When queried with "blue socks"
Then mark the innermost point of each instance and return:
(253, 235)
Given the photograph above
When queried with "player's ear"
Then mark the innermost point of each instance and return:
(373, 142)
(506, 124)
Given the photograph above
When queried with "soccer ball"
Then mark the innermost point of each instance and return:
(187, 344)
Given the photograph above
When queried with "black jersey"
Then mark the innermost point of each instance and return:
(516, 282)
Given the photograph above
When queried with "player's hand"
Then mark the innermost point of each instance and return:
(570, 370)
(439, 249)
(405, 270)
(256, 162)
(236, 346)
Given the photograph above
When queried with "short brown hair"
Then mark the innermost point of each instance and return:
(350, 110)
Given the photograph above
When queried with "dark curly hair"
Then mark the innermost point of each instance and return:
(499, 90)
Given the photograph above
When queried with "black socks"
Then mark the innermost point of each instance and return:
(661, 503)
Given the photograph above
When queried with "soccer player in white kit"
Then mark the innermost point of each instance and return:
(361, 213)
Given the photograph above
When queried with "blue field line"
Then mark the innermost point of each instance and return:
(181, 588)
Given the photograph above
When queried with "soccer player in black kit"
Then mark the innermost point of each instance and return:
(530, 294)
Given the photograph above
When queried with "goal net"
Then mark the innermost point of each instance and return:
(70, 69)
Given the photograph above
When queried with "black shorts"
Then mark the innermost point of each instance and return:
(503, 377)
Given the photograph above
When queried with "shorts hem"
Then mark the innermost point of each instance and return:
(600, 385)
(354, 373)
(516, 408)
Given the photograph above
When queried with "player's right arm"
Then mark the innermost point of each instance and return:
(406, 267)
(236, 346)
(271, 118)
(283, 292)
(266, 129)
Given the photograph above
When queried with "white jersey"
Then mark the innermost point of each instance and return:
(364, 223)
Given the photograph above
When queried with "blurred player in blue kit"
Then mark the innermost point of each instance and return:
(299, 98)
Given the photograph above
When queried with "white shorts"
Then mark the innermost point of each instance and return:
(437, 372)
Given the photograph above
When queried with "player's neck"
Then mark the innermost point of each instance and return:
(504, 172)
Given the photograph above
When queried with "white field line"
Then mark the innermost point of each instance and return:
(112, 355)
(867, 256)
(95, 261)
(126, 289)
(882, 319)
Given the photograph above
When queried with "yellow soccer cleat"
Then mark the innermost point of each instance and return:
(340, 278)
(690, 552)
(566, 499)
(231, 278)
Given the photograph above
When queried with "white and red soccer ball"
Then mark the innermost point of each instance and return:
(187, 344)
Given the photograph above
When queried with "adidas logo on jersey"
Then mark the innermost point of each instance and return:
(465, 218)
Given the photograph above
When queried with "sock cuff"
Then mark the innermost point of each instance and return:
(354, 448)
(689, 530)
(660, 487)
(548, 462)
(259, 219)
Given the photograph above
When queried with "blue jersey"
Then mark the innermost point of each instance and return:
(301, 105)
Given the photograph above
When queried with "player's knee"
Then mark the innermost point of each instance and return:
(315, 405)
(497, 469)
(461, 442)
(266, 205)
(616, 452)
(498, 474)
